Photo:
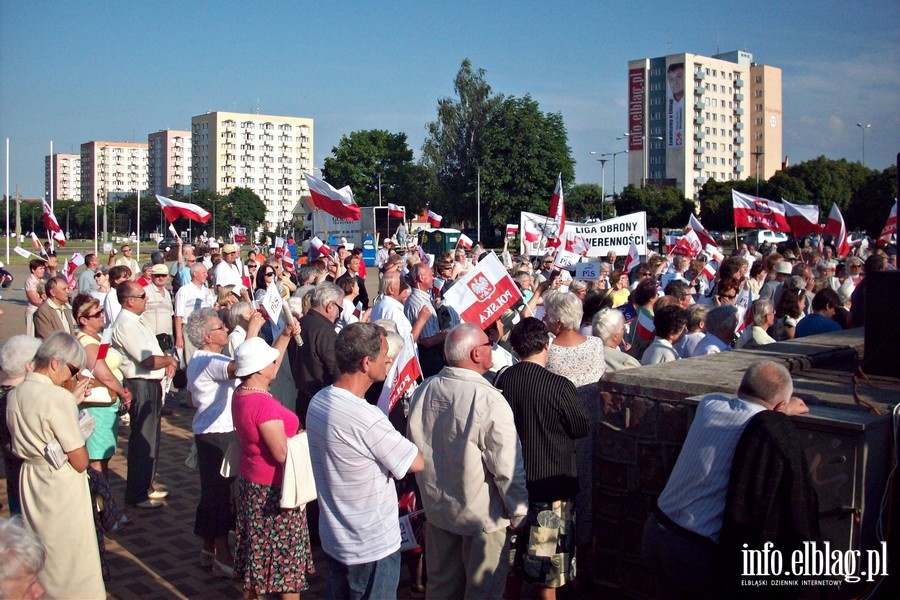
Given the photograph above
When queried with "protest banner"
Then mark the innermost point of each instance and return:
(615, 234)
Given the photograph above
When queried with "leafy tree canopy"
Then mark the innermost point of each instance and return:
(583, 202)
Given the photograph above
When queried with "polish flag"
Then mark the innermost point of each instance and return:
(557, 214)
(398, 212)
(465, 241)
(358, 310)
(511, 230)
(245, 278)
(173, 231)
(434, 219)
(577, 245)
(645, 326)
(174, 209)
(746, 322)
(105, 341)
(482, 294)
(52, 225)
(714, 254)
(709, 271)
(404, 372)
(287, 262)
(631, 260)
(890, 226)
(37, 243)
(337, 203)
(321, 247)
(836, 228)
(803, 218)
(689, 245)
(437, 286)
(71, 265)
(758, 213)
(695, 226)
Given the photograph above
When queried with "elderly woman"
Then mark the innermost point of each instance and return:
(211, 382)
(461, 264)
(757, 335)
(609, 326)
(238, 320)
(757, 277)
(696, 330)
(16, 358)
(56, 502)
(788, 313)
(272, 553)
(37, 266)
(107, 382)
(21, 559)
(580, 359)
(111, 307)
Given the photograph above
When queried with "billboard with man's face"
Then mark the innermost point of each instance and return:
(675, 105)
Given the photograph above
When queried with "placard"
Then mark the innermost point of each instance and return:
(587, 271)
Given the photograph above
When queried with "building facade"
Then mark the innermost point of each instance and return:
(692, 118)
(112, 170)
(169, 162)
(62, 177)
(264, 153)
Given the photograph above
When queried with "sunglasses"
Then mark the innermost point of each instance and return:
(73, 370)
(729, 296)
(99, 313)
(270, 274)
(141, 297)
(98, 275)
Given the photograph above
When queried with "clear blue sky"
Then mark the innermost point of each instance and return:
(76, 71)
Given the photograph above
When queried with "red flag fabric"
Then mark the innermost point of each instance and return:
(174, 209)
(321, 247)
(836, 228)
(557, 214)
(689, 245)
(398, 212)
(705, 237)
(530, 234)
(645, 326)
(465, 241)
(105, 341)
(802, 218)
(758, 213)
(37, 243)
(481, 296)
(53, 228)
(337, 203)
(577, 245)
(402, 375)
(631, 260)
(434, 219)
(511, 230)
(890, 226)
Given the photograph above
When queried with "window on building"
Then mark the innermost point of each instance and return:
(758, 121)
(758, 79)
(757, 93)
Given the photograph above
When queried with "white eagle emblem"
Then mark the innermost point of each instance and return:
(481, 287)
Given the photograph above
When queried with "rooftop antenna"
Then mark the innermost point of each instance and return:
(257, 106)
(718, 49)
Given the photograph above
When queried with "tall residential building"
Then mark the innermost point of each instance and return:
(112, 170)
(264, 153)
(169, 162)
(692, 118)
(65, 172)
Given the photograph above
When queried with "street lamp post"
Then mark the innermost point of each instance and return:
(756, 155)
(602, 162)
(614, 155)
(864, 127)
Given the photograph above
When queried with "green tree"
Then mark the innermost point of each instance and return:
(361, 156)
(452, 148)
(244, 208)
(666, 207)
(715, 205)
(872, 203)
(523, 151)
(583, 202)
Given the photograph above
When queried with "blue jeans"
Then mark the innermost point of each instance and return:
(374, 580)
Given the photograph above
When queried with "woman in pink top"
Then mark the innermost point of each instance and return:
(272, 554)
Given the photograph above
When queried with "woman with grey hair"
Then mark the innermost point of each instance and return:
(56, 501)
(211, 382)
(582, 360)
(16, 358)
(695, 330)
(21, 559)
(757, 335)
(238, 319)
(609, 326)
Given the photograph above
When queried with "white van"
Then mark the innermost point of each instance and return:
(764, 236)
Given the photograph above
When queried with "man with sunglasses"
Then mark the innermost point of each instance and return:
(144, 365)
(126, 260)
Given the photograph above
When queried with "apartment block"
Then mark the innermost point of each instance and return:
(62, 176)
(692, 118)
(264, 153)
(169, 162)
(112, 170)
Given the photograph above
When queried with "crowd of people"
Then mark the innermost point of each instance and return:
(489, 457)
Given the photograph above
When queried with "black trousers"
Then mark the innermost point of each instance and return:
(143, 441)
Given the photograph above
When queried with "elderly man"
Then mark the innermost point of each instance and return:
(126, 260)
(473, 485)
(432, 337)
(721, 323)
(55, 313)
(394, 291)
(314, 363)
(350, 457)
(86, 281)
(549, 418)
(144, 365)
(703, 501)
(383, 253)
(772, 290)
(229, 272)
(193, 296)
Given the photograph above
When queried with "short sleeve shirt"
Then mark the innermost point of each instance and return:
(248, 412)
(211, 389)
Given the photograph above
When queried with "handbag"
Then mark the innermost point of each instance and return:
(299, 486)
(231, 460)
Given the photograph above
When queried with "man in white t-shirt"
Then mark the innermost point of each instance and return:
(190, 297)
(355, 451)
(229, 271)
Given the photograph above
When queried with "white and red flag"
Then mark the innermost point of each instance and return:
(577, 245)
(71, 265)
(321, 247)
(53, 228)
(465, 241)
(174, 209)
(689, 245)
(511, 230)
(714, 255)
(645, 326)
(337, 203)
(698, 228)
(802, 218)
(481, 296)
(239, 234)
(37, 243)
(105, 341)
(557, 215)
(758, 213)
(632, 260)
(434, 219)
(836, 228)
(395, 211)
(890, 226)
(402, 375)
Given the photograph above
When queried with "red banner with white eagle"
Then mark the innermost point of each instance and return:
(484, 293)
